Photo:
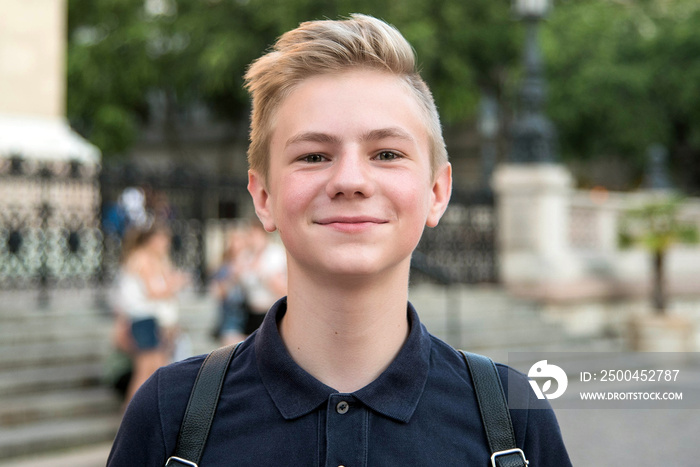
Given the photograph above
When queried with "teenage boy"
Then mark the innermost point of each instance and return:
(348, 163)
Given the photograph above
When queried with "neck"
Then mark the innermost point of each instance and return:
(345, 333)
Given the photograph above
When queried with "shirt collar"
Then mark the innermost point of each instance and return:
(395, 393)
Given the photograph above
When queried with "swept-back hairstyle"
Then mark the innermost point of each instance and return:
(325, 47)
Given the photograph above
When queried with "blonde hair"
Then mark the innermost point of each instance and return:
(324, 47)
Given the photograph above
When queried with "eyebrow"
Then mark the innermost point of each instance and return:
(373, 135)
(312, 137)
(384, 133)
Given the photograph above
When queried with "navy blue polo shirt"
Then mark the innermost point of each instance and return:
(421, 411)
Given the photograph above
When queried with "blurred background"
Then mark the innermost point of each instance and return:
(573, 128)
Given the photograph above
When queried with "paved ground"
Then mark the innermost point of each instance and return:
(94, 456)
(639, 438)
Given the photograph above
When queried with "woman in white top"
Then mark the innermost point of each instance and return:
(263, 275)
(146, 298)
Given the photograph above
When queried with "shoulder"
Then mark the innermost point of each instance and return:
(183, 373)
(168, 389)
(149, 428)
(515, 384)
(534, 423)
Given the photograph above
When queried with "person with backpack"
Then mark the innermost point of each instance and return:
(348, 163)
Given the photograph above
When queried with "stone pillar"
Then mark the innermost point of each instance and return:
(533, 202)
(33, 57)
(49, 192)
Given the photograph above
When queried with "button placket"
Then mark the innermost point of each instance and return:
(346, 432)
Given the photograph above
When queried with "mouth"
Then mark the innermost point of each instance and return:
(351, 223)
(351, 220)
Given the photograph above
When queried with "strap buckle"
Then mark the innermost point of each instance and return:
(508, 452)
(179, 461)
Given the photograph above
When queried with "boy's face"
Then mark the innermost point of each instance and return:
(350, 187)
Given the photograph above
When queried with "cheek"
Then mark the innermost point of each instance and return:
(413, 198)
(291, 200)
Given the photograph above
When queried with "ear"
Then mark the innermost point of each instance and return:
(261, 200)
(440, 195)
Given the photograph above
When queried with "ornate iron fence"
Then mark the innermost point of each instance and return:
(53, 233)
(186, 197)
(50, 235)
(462, 248)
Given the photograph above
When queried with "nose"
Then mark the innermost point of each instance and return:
(351, 176)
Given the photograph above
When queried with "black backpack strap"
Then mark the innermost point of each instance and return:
(494, 412)
(201, 407)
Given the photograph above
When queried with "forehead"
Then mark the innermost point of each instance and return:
(347, 104)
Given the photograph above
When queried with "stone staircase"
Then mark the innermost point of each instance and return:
(52, 399)
(52, 395)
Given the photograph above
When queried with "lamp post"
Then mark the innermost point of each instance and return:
(533, 135)
(656, 177)
(533, 191)
(488, 128)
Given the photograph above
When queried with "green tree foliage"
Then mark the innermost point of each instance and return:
(623, 75)
(196, 51)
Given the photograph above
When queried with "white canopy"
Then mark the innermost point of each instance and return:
(43, 138)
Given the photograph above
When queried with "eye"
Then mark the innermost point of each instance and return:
(313, 158)
(387, 156)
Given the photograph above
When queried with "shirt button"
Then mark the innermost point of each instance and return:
(342, 407)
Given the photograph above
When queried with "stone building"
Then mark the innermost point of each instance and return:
(48, 173)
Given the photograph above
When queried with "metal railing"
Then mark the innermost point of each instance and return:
(53, 233)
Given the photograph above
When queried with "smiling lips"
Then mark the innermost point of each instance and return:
(351, 224)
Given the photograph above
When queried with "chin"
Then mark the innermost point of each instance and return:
(357, 268)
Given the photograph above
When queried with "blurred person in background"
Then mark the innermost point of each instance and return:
(157, 204)
(146, 301)
(263, 274)
(129, 211)
(226, 288)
